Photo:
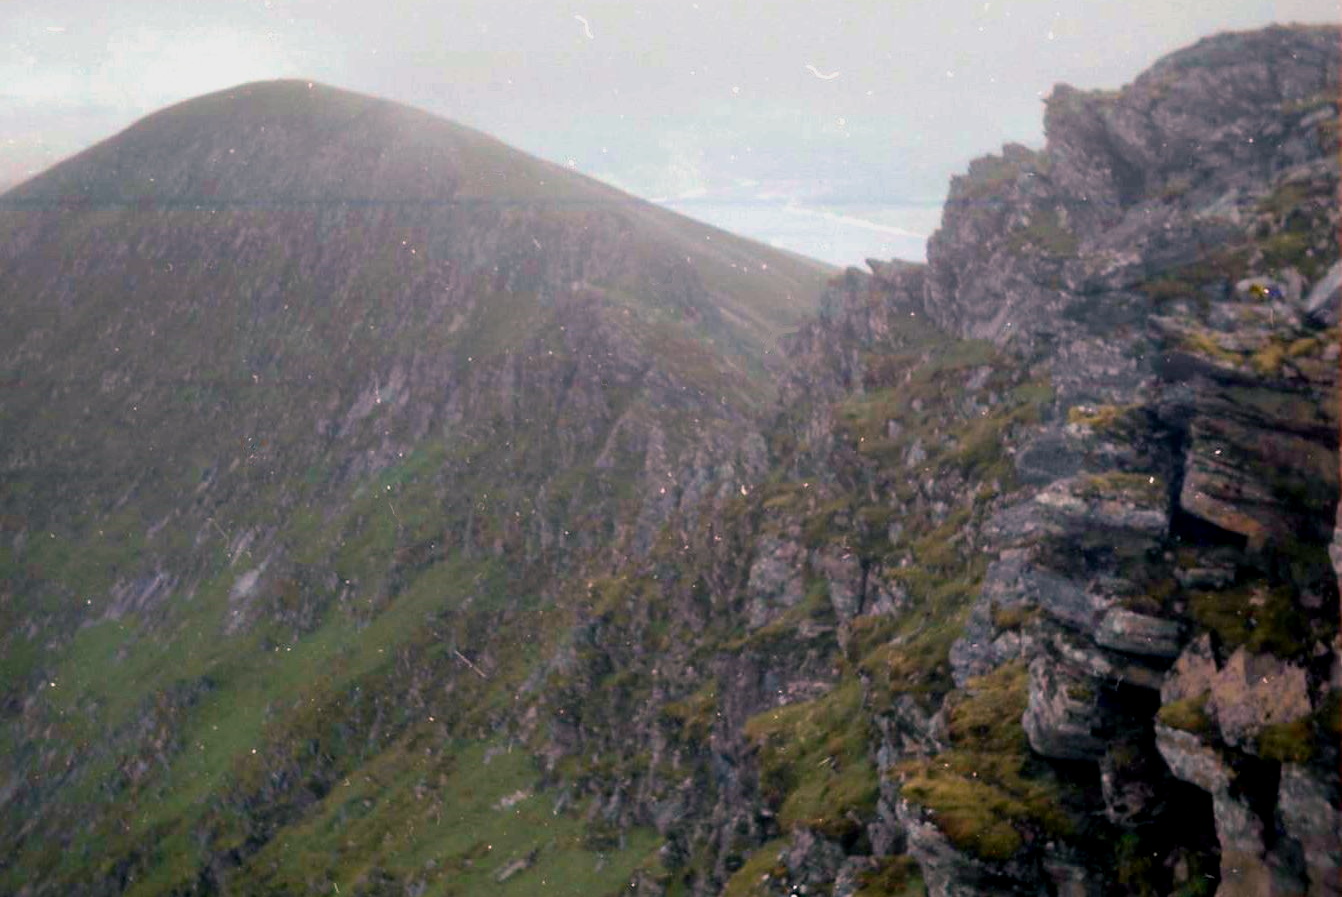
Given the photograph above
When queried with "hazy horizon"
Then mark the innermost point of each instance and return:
(829, 130)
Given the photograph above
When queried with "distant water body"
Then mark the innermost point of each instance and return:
(842, 235)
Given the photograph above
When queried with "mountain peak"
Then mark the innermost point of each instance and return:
(320, 156)
(298, 140)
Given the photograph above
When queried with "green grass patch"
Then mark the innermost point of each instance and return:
(989, 176)
(894, 876)
(123, 672)
(814, 762)
(761, 874)
(1188, 714)
(1113, 419)
(912, 655)
(453, 818)
(1203, 343)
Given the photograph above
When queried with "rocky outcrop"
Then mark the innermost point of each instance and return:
(1307, 805)
(1175, 487)
(1130, 183)
(1138, 683)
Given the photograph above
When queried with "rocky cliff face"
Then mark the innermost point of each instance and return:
(1057, 507)
(1024, 586)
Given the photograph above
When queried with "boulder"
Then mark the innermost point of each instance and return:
(1253, 691)
(1249, 867)
(1062, 719)
(1125, 630)
(1308, 807)
(1047, 458)
(775, 581)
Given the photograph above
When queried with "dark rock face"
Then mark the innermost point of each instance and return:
(1157, 259)
(1027, 585)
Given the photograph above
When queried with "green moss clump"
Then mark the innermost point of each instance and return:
(981, 444)
(1291, 742)
(1200, 881)
(828, 522)
(1308, 345)
(976, 816)
(1192, 282)
(961, 354)
(1137, 864)
(788, 632)
(914, 657)
(1273, 357)
(938, 549)
(988, 177)
(1144, 488)
(1269, 359)
(987, 793)
(1101, 417)
(696, 713)
(1285, 199)
(1189, 714)
(987, 717)
(1199, 342)
(470, 809)
(761, 868)
(1046, 233)
(870, 633)
(1297, 233)
(1176, 187)
(918, 665)
(1260, 619)
(1012, 618)
(1110, 419)
(782, 498)
(894, 876)
(1170, 289)
(1299, 740)
(1287, 249)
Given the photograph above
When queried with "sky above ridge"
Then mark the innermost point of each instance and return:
(829, 128)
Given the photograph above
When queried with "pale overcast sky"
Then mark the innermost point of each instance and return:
(830, 128)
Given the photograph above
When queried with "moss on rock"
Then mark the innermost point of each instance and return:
(987, 793)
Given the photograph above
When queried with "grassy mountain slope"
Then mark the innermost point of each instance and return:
(291, 373)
